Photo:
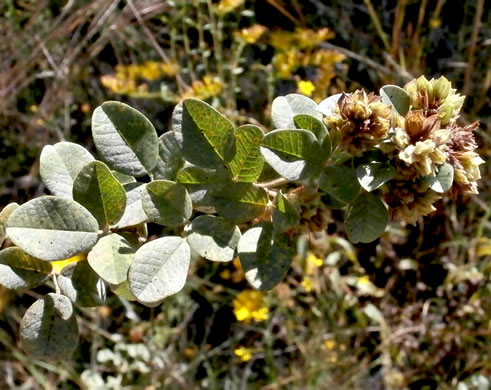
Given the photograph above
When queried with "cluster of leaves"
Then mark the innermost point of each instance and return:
(203, 166)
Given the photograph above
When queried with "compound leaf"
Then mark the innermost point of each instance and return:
(60, 164)
(264, 256)
(97, 189)
(82, 285)
(20, 270)
(248, 162)
(125, 138)
(213, 238)
(49, 329)
(167, 203)
(159, 269)
(295, 154)
(366, 219)
(111, 257)
(52, 228)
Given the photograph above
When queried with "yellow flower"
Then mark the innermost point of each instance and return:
(251, 34)
(226, 6)
(307, 284)
(306, 87)
(209, 87)
(225, 274)
(329, 344)
(59, 265)
(249, 306)
(245, 354)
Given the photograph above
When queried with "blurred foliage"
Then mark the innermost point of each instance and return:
(409, 311)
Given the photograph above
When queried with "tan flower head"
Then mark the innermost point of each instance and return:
(435, 96)
(464, 159)
(408, 201)
(361, 121)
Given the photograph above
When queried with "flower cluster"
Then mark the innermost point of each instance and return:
(417, 144)
(249, 305)
(359, 121)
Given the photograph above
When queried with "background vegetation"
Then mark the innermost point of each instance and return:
(411, 310)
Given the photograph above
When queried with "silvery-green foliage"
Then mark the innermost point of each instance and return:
(200, 182)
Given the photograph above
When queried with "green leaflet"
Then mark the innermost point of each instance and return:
(167, 203)
(97, 189)
(82, 285)
(443, 179)
(205, 136)
(125, 138)
(240, 202)
(49, 329)
(20, 270)
(248, 162)
(340, 182)
(111, 257)
(60, 164)
(159, 269)
(285, 216)
(295, 154)
(316, 126)
(375, 174)
(397, 97)
(4, 215)
(213, 238)
(264, 256)
(366, 219)
(52, 228)
(170, 157)
(284, 108)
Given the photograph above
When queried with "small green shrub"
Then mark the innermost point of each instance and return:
(221, 192)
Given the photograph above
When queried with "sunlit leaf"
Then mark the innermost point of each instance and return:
(159, 269)
(248, 162)
(111, 257)
(52, 228)
(4, 215)
(100, 192)
(167, 203)
(125, 138)
(284, 108)
(19, 270)
(205, 136)
(213, 238)
(295, 154)
(60, 164)
(170, 157)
